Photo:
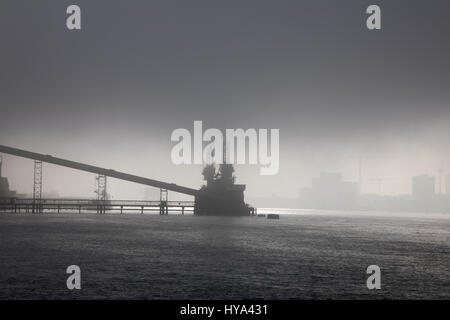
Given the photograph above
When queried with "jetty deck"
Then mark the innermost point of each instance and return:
(15, 205)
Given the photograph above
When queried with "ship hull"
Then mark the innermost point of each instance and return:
(226, 206)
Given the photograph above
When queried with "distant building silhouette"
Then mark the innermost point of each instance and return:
(329, 191)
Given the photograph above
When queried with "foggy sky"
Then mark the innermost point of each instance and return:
(112, 93)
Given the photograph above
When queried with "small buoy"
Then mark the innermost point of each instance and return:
(273, 216)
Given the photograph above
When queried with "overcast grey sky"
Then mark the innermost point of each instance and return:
(112, 93)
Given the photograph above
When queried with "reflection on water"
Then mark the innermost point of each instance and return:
(310, 254)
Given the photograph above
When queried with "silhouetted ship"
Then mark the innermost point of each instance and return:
(220, 195)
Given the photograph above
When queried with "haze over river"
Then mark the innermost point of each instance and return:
(306, 254)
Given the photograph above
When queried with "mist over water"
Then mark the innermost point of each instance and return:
(303, 255)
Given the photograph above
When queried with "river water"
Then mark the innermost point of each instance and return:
(305, 255)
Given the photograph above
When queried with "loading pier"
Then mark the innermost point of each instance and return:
(87, 205)
(220, 195)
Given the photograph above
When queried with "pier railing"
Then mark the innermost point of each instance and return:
(15, 205)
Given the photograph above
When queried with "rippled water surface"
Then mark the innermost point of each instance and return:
(304, 255)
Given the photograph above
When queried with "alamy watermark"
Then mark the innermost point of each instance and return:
(374, 280)
(74, 280)
(249, 146)
(73, 21)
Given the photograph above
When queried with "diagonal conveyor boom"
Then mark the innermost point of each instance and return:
(98, 170)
